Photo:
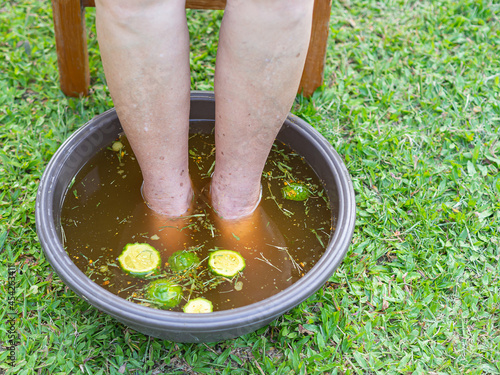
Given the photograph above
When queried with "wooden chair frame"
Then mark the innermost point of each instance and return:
(72, 52)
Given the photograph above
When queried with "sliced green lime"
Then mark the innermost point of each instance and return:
(198, 305)
(182, 260)
(295, 192)
(226, 262)
(139, 259)
(164, 293)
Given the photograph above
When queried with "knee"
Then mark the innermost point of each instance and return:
(127, 12)
(278, 11)
(292, 10)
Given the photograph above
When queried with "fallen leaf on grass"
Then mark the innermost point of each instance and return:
(303, 330)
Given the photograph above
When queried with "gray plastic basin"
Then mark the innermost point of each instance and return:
(177, 326)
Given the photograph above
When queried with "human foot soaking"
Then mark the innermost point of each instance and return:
(104, 211)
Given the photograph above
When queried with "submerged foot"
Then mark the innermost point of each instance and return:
(258, 239)
(172, 234)
(246, 226)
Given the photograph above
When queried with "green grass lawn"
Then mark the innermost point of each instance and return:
(411, 103)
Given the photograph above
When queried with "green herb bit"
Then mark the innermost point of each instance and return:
(318, 237)
(294, 262)
(286, 212)
(209, 172)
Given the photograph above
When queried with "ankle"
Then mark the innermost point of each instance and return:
(173, 204)
(230, 205)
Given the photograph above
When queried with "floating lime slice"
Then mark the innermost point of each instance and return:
(295, 192)
(139, 259)
(226, 263)
(198, 305)
(182, 260)
(164, 293)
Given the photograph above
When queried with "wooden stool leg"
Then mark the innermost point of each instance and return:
(312, 77)
(71, 45)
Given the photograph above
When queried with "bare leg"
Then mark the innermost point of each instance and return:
(145, 53)
(262, 49)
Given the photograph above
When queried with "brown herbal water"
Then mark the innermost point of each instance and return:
(103, 211)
